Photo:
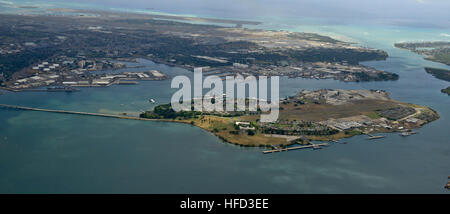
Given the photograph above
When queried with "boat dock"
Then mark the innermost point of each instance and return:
(372, 137)
(314, 146)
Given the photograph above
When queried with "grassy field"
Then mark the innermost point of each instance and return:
(222, 127)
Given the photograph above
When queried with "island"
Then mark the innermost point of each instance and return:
(66, 49)
(322, 115)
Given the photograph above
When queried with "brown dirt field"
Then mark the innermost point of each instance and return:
(320, 112)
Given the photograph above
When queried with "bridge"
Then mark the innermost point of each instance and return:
(14, 107)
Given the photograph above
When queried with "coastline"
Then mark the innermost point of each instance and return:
(271, 140)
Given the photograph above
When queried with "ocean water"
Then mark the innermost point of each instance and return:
(54, 153)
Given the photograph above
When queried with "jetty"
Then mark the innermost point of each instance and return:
(372, 137)
(314, 146)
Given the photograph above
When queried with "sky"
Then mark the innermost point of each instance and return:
(431, 13)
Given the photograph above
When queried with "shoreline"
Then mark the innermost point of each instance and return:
(332, 138)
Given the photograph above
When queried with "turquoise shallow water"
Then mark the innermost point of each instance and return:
(52, 153)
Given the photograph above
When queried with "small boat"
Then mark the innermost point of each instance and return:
(152, 101)
(405, 134)
(316, 147)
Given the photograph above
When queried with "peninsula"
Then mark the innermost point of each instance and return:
(446, 90)
(433, 51)
(438, 51)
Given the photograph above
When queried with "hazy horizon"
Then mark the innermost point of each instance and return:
(414, 13)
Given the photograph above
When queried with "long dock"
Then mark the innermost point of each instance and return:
(375, 137)
(314, 146)
(372, 137)
(74, 112)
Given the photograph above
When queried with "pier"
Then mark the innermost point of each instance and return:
(371, 137)
(314, 146)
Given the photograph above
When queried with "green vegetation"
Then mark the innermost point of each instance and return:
(16, 62)
(443, 56)
(380, 77)
(373, 115)
(166, 112)
(353, 132)
(442, 74)
(446, 90)
(319, 132)
(434, 51)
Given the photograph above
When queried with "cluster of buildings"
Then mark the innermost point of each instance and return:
(10, 49)
(367, 125)
(46, 67)
(319, 70)
(292, 127)
(120, 78)
(68, 71)
(322, 70)
(35, 81)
